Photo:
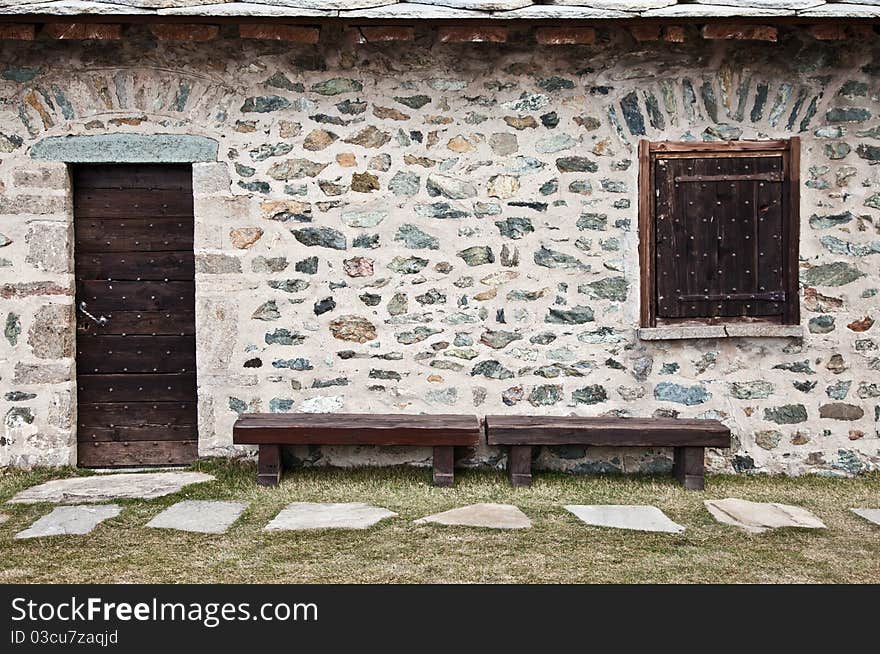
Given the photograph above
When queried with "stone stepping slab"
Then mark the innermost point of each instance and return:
(871, 515)
(106, 488)
(758, 517)
(625, 516)
(70, 520)
(200, 516)
(321, 515)
(491, 516)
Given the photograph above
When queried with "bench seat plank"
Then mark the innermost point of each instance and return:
(687, 437)
(356, 429)
(604, 431)
(270, 431)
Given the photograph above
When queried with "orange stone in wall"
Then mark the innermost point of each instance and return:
(740, 32)
(184, 32)
(17, 31)
(292, 33)
(565, 35)
(83, 31)
(475, 34)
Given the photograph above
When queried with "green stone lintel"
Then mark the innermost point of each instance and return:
(126, 148)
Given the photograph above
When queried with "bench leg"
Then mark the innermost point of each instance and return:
(519, 465)
(688, 467)
(444, 464)
(269, 465)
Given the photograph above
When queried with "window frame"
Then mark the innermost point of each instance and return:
(789, 149)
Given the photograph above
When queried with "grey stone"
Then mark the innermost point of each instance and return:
(70, 520)
(104, 488)
(787, 414)
(126, 148)
(847, 115)
(202, 516)
(871, 515)
(838, 273)
(828, 221)
(477, 255)
(319, 515)
(592, 221)
(592, 394)
(487, 515)
(404, 183)
(768, 438)
(555, 259)
(622, 516)
(575, 316)
(750, 390)
(821, 324)
(499, 339)
(687, 395)
(413, 101)
(450, 187)
(514, 227)
(364, 216)
(51, 334)
(325, 237)
(576, 165)
(758, 517)
(407, 265)
(369, 137)
(336, 86)
(295, 169)
(415, 239)
(610, 288)
(267, 311)
(491, 369)
(12, 328)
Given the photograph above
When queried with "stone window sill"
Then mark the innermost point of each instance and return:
(733, 330)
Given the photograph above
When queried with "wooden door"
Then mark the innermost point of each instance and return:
(135, 301)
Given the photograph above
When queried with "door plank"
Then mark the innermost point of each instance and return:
(136, 354)
(132, 203)
(135, 296)
(134, 323)
(132, 235)
(137, 453)
(136, 266)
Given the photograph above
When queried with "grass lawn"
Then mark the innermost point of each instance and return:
(557, 549)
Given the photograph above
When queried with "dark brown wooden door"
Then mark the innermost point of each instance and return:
(135, 299)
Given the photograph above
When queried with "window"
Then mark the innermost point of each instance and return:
(718, 232)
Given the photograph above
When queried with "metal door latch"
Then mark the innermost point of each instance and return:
(99, 321)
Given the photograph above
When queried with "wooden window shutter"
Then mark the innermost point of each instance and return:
(720, 235)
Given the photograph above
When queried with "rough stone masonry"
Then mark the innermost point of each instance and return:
(445, 227)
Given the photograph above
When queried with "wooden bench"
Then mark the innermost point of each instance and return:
(687, 437)
(272, 430)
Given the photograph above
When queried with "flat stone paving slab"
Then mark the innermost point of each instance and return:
(202, 516)
(871, 515)
(757, 517)
(625, 516)
(324, 515)
(106, 488)
(493, 516)
(67, 520)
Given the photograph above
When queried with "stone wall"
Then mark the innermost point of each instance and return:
(437, 227)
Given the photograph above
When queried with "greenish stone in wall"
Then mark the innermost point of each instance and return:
(126, 148)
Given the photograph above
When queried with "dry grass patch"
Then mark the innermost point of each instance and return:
(557, 549)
